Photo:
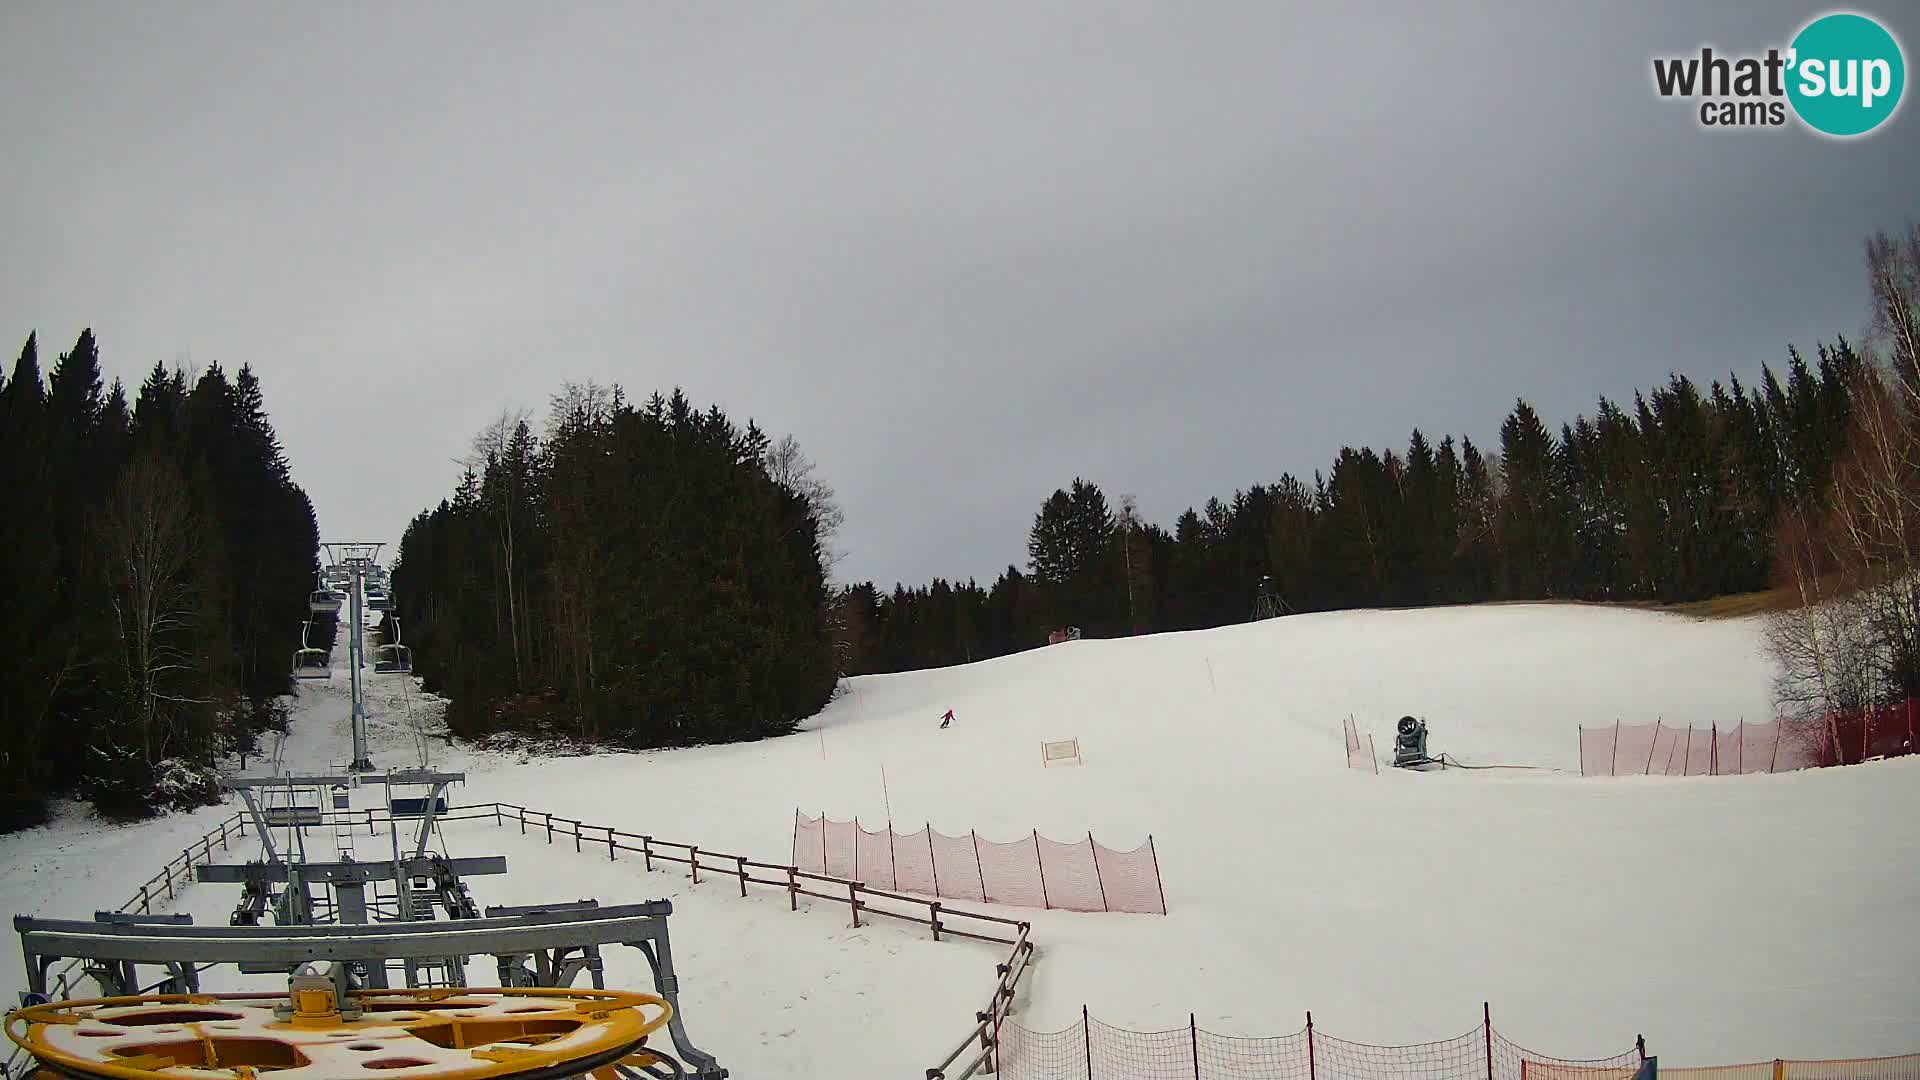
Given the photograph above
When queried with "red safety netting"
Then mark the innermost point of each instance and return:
(956, 867)
(1071, 875)
(1280, 1057)
(1513, 1062)
(1598, 751)
(1033, 871)
(1012, 873)
(1043, 1055)
(1662, 749)
(1902, 1067)
(810, 843)
(840, 851)
(1698, 754)
(1091, 1050)
(1756, 1070)
(1132, 879)
(1883, 731)
(873, 857)
(1461, 1058)
(913, 863)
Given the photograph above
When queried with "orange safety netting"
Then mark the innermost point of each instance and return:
(1033, 871)
(1091, 1050)
(1664, 749)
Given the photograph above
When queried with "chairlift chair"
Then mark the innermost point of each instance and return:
(380, 601)
(392, 660)
(325, 602)
(312, 664)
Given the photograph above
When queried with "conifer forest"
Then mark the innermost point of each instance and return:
(656, 573)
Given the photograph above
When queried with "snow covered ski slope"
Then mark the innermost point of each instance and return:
(1727, 918)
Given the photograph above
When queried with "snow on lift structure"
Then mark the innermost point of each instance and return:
(318, 1027)
(1410, 746)
(330, 1019)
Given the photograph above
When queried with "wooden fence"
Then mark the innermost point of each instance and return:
(943, 920)
(975, 1052)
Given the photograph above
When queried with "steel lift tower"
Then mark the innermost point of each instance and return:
(359, 559)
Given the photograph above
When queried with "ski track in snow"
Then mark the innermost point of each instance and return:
(1728, 919)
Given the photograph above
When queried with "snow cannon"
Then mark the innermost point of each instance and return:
(1410, 745)
(316, 1031)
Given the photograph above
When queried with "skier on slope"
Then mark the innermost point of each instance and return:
(946, 719)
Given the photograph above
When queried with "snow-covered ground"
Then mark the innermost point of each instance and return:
(1729, 919)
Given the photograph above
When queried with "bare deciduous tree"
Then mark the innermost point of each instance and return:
(1852, 560)
(790, 468)
(490, 448)
(146, 531)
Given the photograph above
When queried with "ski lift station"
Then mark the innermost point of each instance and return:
(361, 943)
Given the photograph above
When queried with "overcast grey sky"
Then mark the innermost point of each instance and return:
(964, 252)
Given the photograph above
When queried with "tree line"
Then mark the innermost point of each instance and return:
(644, 576)
(1679, 494)
(1849, 556)
(156, 557)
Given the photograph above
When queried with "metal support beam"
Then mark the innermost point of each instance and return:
(336, 872)
(568, 941)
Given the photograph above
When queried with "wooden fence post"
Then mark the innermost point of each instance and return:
(1086, 1029)
(576, 837)
(1193, 1035)
(742, 859)
(933, 915)
(1042, 868)
(610, 855)
(143, 901)
(1159, 884)
(1097, 880)
(793, 889)
(1313, 1071)
(931, 864)
(853, 901)
(549, 814)
(496, 815)
(523, 820)
(646, 851)
(1486, 1013)
(694, 859)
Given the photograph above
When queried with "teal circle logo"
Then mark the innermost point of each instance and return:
(1845, 74)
